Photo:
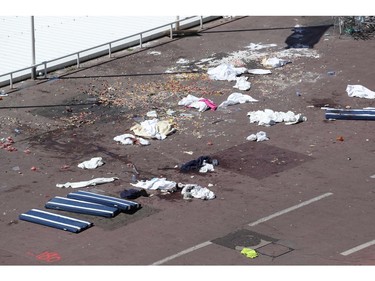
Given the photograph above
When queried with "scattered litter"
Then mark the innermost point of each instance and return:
(236, 98)
(33, 168)
(269, 117)
(259, 46)
(201, 104)
(188, 115)
(206, 167)
(153, 129)
(196, 191)
(373, 176)
(331, 73)
(170, 112)
(225, 71)
(7, 144)
(130, 139)
(156, 183)
(249, 253)
(197, 164)
(189, 152)
(274, 62)
(133, 193)
(155, 53)
(340, 138)
(242, 83)
(360, 92)
(152, 114)
(3, 94)
(350, 114)
(93, 163)
(95, 181)
(260, 136)
(259, 71)
(182, 61)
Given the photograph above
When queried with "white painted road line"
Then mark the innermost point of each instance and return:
(204, 244)
(358, 248)
(290, 209)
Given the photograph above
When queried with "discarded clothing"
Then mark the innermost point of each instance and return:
(260, 136)
(133, 193)
(92, 163)
(156, 183)
(269, 117)
(249, 253)
(201, 104)
(237, 98)
(206, 167)
(274, 62)
(360, 92)
(242, 83)
(225, 72)
(196, 191)
(259, 71)
(95, 181)
(197, 164)
(153, 129)
(130, 139)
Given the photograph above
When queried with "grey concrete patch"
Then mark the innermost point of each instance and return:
(274, 250)
(259, 160)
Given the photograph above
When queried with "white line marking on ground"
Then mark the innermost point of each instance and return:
(191, 249)
(358, 248)
(290, 209)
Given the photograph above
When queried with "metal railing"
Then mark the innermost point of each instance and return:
(109, 50)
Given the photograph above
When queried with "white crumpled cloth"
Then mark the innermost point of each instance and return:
(242, 83)
(225, 71)
(360, 92)
(236, 98)
(260, 136)
(153, 129)
(156, 183)
(128, 139)
(92, 163)
(269, 117)
(196, 191)
(259, 71)
(95, 181)
(195, 102)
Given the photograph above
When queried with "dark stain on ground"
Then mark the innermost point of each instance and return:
(324, 102)
(259, 160)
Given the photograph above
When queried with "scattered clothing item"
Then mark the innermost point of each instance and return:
(133, 193)
(242, 83)
(236, 98)
(153, 129)
(360, 92)
(201, 104)
(161, 184)
(196, 191)
(274, 62)
(259, 71)
(207, 167)
(226, 72)
(93, 163)
(269, 117)
(350, 114)
(128, 139)
(95, 181)
(197, 164)
(249, 253)
(260, 136)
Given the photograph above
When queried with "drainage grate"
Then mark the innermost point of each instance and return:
(259, 160)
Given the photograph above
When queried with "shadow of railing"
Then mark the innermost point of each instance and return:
(306, 37)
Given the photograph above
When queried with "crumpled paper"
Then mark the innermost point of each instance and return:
(129, 139)
(156, 183)
(236, 98)
(274, 62)
(360, 92)
(196, 191)
(92, 163)
(225, 71)
(153, 129)
(95, 181)
(260, 136)
(269, 117)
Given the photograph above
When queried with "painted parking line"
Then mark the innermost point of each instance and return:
(191, 249)
(291, 209)
(358, 248)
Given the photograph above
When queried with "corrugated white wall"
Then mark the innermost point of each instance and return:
(61, 35)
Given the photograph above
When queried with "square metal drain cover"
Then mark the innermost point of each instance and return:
(259, 160)
(274, 250)
(244, 238)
